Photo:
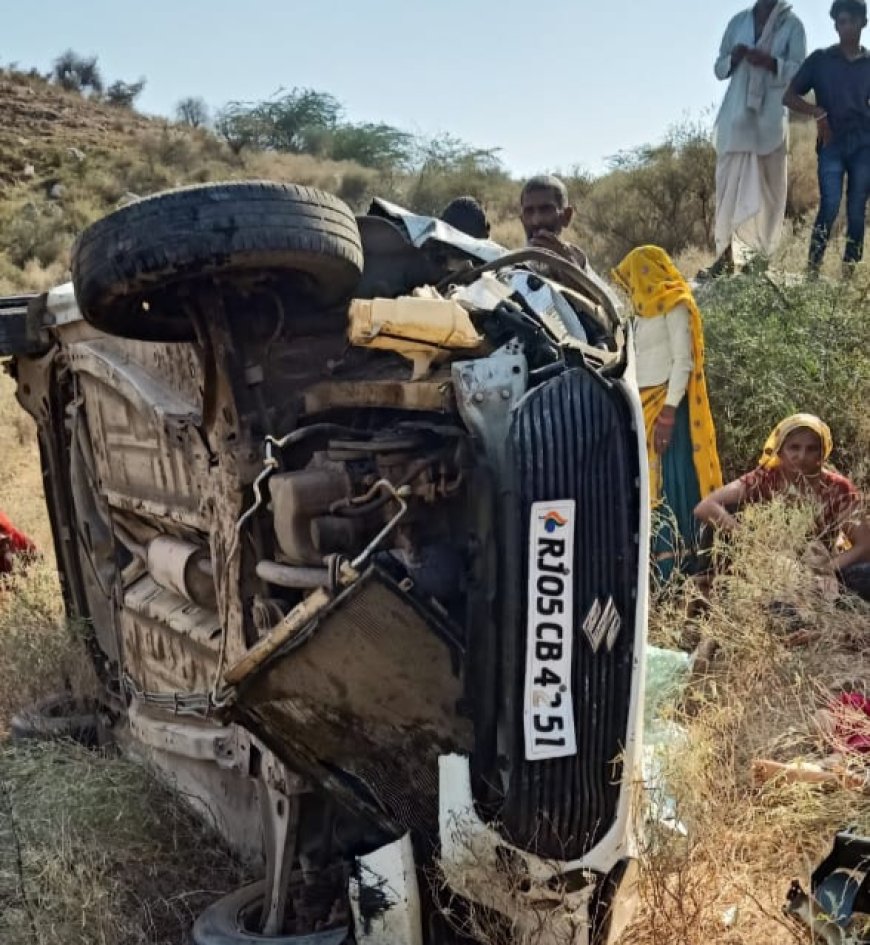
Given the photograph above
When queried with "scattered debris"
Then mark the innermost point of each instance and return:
(805, 772)
(56, 191)
(799, 906)
(76, 153)
(837, 908)
(845, 723)
(666, 673)
(28, 171)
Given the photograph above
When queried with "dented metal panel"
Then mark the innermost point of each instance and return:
(373, 694)
(430, 395)
(146, 392)
(170, 644)
(143, 432)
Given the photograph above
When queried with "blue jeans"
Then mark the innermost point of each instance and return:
(834, 167)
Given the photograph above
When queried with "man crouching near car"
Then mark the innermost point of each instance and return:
(545, 211)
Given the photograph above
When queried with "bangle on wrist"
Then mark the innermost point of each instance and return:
(666, 421)
(821, 117)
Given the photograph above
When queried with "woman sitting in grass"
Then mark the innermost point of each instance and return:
(793, 466)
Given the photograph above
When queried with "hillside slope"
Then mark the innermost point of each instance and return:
(66, 160)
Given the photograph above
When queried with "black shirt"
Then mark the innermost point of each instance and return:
(842, 88)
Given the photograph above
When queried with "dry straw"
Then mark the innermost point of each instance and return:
(725, 880)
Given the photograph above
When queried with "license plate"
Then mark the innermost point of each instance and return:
(548, 708)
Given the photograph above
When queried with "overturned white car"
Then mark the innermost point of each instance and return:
(357, 511)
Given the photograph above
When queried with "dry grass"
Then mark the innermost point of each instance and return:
(20, 476)
(40, 652)
(33, 277)
(93, 851)
(803, 187)
(744, 843)
(790, 260)
(509, 232)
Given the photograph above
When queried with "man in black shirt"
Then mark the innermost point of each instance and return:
(840, 78)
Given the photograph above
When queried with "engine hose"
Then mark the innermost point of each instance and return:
(347, 508)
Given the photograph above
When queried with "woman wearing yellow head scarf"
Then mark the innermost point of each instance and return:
(770, 456)
(794, 465)
(681, 438)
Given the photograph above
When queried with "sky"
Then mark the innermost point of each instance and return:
(555, 84)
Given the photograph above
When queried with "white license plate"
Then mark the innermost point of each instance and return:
(548, 707)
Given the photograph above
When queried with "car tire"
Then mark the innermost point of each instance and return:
(224, 923)
(126, 266)
(56, 718)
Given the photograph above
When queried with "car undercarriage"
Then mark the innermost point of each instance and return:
(355, 509)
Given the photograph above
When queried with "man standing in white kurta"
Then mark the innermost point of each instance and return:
(760, 54)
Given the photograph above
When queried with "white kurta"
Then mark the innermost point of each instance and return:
(751, 144)
(664, 352)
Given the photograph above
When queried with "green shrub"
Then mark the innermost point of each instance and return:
(776, 350)
(663, 194)
(77, 73)
(124, 94)
(40, 652)
(371, 144)
(449, 167)
(34, 231)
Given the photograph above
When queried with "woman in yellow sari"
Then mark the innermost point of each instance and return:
(681, 439)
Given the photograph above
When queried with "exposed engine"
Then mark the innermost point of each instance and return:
(345, 498)
(393, 549)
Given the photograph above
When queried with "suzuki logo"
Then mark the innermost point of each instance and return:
(602, 624)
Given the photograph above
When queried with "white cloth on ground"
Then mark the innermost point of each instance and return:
(664, 352)
(762, 131)
(751, 192)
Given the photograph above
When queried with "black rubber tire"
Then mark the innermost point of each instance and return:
(56, 718)
(223, 923)
(135, 254)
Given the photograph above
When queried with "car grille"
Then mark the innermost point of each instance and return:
(571, 439)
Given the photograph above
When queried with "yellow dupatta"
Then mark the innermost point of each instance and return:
(655, 286)
(797, 421)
